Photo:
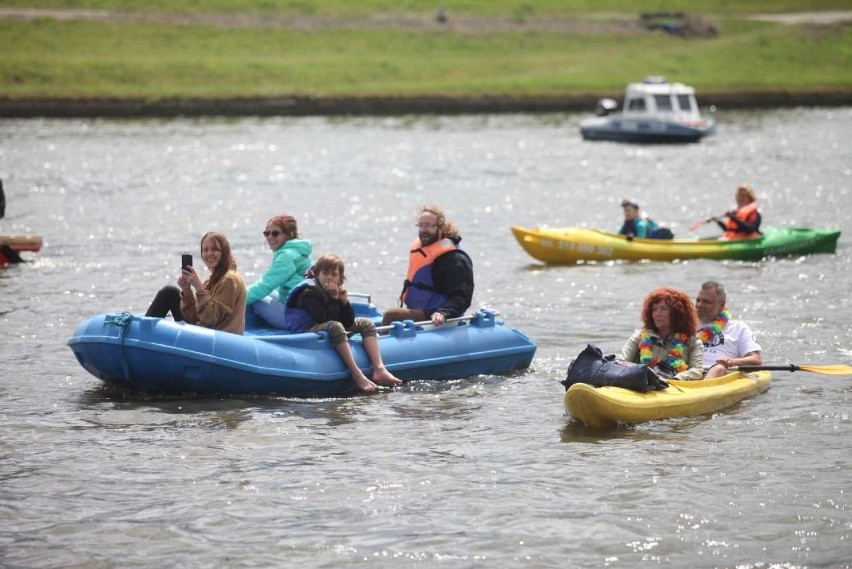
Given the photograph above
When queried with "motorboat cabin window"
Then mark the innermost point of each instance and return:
(636, 105)
(664, 102)
(684, 102)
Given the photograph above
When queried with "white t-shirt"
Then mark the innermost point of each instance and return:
(735, 341)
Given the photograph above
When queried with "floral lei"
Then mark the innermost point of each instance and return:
(706, 333)
(675, 359)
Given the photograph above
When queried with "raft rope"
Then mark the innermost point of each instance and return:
(122, 320)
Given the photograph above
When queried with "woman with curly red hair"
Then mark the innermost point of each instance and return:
(668, 340)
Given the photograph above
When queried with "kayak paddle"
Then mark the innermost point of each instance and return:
(698, 224)
(835, 369)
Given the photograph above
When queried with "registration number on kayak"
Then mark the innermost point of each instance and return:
(586, 248)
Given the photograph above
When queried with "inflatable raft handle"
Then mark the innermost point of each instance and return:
(448, 321)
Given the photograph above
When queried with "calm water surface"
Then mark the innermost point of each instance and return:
(483, 471)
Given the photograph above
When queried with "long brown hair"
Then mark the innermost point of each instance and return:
(227, 262)
(684, 316)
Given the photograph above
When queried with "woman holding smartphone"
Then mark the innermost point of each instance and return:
(219, 302)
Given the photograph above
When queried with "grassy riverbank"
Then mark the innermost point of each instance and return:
(145, 51)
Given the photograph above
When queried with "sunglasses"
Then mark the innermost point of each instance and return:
(274, 233)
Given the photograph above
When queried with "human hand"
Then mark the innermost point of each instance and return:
(191, 278)
(438, 318)
(183, 283)
(331, 288)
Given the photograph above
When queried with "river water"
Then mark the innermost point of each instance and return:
(484, 471)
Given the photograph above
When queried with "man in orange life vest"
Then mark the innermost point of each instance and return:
(439, 283)
(744, 223)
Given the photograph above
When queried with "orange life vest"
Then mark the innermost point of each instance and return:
(748, 214)
(419, 290)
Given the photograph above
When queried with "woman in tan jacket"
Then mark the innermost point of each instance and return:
(219, 302)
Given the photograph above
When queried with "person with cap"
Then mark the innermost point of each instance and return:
(638, 224)
(744, 222)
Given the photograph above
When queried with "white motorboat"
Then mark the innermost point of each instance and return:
(654, 111)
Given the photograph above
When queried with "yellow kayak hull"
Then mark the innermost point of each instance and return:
(574, 244)
(606, 406)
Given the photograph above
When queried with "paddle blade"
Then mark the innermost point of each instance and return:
(836, 369)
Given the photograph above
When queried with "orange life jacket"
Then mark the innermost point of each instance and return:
(419, 290)
(748, 214)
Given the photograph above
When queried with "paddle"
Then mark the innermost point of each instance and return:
(698, 224)
(835, 369)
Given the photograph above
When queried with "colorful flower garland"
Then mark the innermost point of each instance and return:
(708, 331)
(675, 357)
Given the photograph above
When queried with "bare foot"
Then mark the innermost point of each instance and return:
(384, 377)
(364, 384)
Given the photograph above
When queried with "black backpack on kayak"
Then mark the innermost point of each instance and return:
(595, 369)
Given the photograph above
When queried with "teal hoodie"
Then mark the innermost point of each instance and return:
(289, 264)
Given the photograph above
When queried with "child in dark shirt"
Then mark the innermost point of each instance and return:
(326, 303)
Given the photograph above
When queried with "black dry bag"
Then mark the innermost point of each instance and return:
(593, 368)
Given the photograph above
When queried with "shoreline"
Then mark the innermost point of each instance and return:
(301, 106)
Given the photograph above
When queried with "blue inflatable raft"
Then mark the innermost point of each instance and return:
(156, 355)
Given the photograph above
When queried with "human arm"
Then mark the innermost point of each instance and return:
(323, 308)
(750, 359)
(630, 350)
(749, 225)
(453, 276)
(279, 272)
(215, 308)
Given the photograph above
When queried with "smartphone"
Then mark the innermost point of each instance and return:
(185, 261)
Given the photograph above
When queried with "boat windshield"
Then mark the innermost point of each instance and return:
(684, 102)
(637, 104)
(664, 102)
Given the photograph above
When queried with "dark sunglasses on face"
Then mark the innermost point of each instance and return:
(274, 233)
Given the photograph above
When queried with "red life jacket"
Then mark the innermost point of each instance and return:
(748, 214)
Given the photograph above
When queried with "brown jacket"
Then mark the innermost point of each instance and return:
(223, 308)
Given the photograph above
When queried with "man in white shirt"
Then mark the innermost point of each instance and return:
(727, 342)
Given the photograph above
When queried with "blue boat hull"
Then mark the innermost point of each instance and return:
(155, 355)
(643, 131)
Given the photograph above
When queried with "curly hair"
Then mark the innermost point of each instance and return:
(447, 228)
(684, 316)
(227, 262)
(287, 223)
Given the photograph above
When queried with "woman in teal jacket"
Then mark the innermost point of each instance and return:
(291, 258)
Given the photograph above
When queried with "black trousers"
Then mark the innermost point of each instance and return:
(167, 300)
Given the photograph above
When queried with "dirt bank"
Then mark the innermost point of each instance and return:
(309, 106)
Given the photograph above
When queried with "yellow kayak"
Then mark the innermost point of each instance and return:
(573, 244)
(605, 406)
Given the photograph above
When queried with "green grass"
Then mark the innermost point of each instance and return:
(79, 58)
(527, 8)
